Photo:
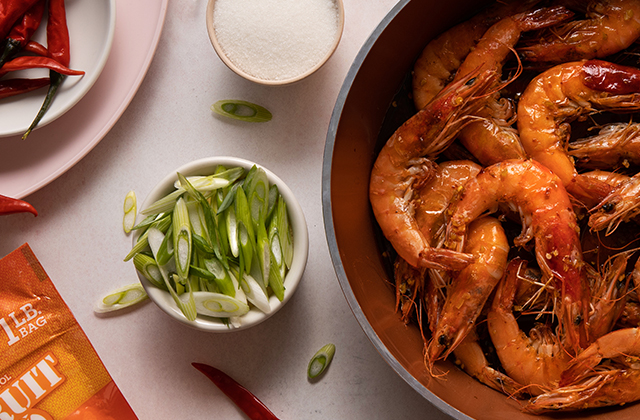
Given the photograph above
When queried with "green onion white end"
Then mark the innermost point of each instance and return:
(130, 210)
(121, 298)
(320, 361)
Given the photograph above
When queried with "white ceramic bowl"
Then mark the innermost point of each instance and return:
(239, 70)
(206, 166)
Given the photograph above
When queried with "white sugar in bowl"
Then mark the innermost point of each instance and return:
(275, 42)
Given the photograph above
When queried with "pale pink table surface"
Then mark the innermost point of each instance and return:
(79, 240)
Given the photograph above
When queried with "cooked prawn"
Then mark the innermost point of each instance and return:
(492, 139)
(610, 26)
(537, 360)
(548, 218)
(615, 146)
(552, 100)
(604, 387)
(438, 63)
(404, 164)
(471, 288)
(430, 204)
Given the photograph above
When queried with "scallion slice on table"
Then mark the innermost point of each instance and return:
(130, 211)
(242, 110)
(321, 360)
(120, 298)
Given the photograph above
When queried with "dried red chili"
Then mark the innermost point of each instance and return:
(25, 62)
(10, 205)
(610, 77)
(13, 87)
(58, 45)
(11, 11)
(22, 32)
(58, 33)
(36, 48)
(245, 400)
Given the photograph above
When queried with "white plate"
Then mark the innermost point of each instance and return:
(91, 30)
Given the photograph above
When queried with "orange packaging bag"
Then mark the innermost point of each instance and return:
(48, 368)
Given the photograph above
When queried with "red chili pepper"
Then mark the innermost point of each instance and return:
(610, 77)
(22, 32)
(10, 12)
(58, 32)
(245, 400)
(12, 87)
(10, 205)
(36, 48)
(59, 49)
(25, 62)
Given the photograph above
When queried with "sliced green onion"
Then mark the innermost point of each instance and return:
(274, 193)
(263, 252)
(202, 246)
(165, 252)
(232, 231)
(197, 219)
(242, 110)
(243, 213)
(146, 222)
(320, 361)
(121, 298)
(220, 276)
(188, 308)
(254, 292)
(163, 224)
(219, 305)
(257, 191)
(211, 222)
(165, 204)
(207, 243)
(284, 229)
(205, 183)
(246, 247)
(276, 249)
(229, 198)
(182, 238)
(148, 267)
(276, 281)
(130, 210)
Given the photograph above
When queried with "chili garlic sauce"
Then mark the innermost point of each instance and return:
(276, 39)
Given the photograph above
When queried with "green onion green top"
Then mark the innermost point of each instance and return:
(321, 360)
(242, 110)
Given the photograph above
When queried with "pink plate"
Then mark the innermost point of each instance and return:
(52, 150)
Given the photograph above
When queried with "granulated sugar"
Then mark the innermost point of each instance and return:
(276, 39)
